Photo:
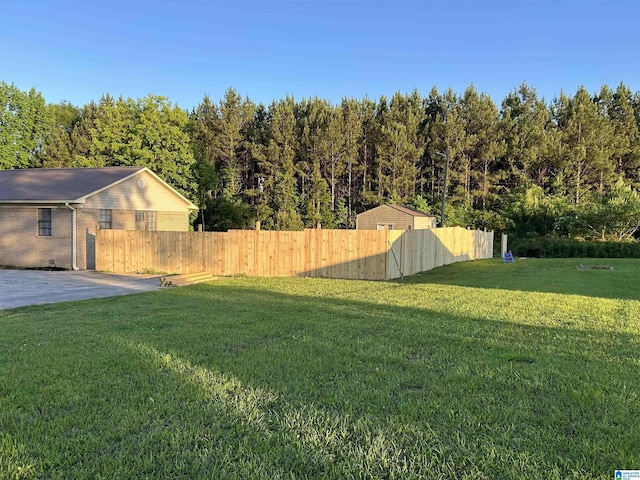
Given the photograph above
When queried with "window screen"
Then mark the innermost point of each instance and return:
(44, 222)
(145, 220)
(104, 219)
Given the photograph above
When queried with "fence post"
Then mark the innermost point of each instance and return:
(504, 245)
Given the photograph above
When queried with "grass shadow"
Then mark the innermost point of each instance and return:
(308, 378)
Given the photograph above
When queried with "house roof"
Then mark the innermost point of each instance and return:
(63, 185)
(409, 211)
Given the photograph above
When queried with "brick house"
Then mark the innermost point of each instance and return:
(394, 217)
(49, 217)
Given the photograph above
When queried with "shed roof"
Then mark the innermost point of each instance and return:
(409, 211)
(61, 185)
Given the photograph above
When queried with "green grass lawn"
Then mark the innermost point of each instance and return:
(545, 275)
(471, 371)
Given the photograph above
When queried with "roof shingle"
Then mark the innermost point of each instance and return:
(410, 211)
(58, 184)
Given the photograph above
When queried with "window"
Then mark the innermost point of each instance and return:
(44, 222)
(145, 220)
(104, 219)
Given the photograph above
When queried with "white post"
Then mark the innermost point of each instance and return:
(504, 244)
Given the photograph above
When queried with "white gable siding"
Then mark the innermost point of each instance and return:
(127, 195)
(384, 215)
(424, 222)
(388, 216)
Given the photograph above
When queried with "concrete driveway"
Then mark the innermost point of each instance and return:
(33, 287)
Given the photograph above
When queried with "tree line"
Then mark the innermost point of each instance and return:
(568, 167)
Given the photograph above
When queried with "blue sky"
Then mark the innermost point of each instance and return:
(79, 50)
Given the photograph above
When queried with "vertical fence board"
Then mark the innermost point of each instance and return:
(393, 258)
(260, 254)
(355, 254)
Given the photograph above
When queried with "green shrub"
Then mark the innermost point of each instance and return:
(554, 247)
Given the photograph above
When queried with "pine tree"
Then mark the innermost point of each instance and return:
(398, 148)
(431, 166)
(483, 148)
(367, 150)
(229, 146)
(203, 121)
(626, 141)
(332, 151)
(313, 117)
(280, 191)
(57, 151)
(62, 146)
(256, 142)
(353, 135)
(586, 144)
(528, 133)
(445, 135)
(81, 138)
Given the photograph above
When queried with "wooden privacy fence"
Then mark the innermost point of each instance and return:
(354, 254)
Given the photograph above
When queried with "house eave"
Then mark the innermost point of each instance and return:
(42, 202)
